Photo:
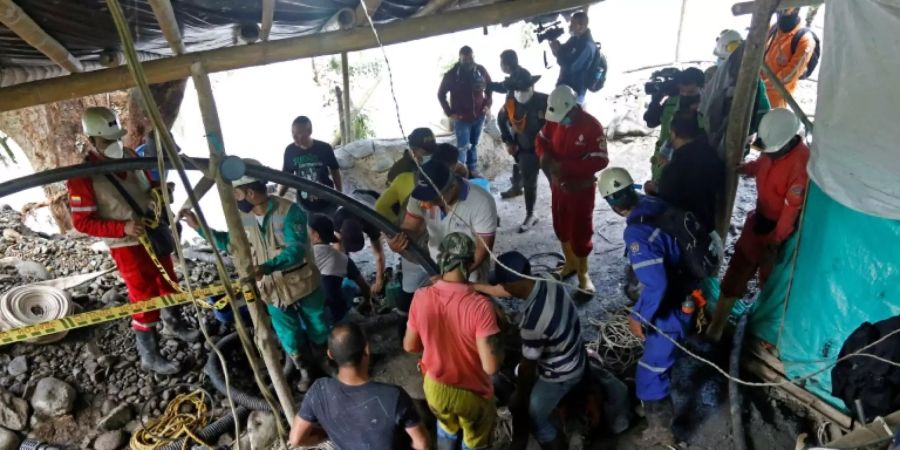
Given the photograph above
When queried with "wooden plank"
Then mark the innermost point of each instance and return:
(779, 86)
(230, 58)
(21, 23)
(165, 16)
(371, 6)
(268, 16)
(744, 8)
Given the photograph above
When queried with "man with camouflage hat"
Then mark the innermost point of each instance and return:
(455, 328)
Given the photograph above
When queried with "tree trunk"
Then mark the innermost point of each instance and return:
(50, 135)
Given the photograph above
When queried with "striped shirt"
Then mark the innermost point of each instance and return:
(551, 333)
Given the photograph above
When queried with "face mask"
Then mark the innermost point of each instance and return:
(245, 206)
(688, 101)
(114, 150)
(787, 23)
(566, 121)
(523, 96)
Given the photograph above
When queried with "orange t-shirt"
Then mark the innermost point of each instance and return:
(448, 317)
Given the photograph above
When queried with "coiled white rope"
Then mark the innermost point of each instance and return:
(28, 305)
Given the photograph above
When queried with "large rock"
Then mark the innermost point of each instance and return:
(18, 366)
(9, 440)
(111, 440)
(53, 397)
(13, 411)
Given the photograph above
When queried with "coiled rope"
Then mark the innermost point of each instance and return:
(184, 416)
(28, 305)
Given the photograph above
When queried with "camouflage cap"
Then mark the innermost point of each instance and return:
(456, 250)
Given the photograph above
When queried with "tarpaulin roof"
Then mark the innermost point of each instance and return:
(85, 27)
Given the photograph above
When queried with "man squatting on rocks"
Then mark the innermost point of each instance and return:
(288, 281)
(100, 210)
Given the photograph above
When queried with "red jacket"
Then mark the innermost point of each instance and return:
(580, 148)
(467, 92)
(83, 204)
(780, 187)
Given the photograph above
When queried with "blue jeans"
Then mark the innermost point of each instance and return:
(545, 395)
(467, 137)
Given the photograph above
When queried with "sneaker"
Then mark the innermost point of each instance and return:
(529, 222)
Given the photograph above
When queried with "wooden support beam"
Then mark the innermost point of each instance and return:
(744, 8)
(268, 16)
(230, 58)
(791, 101)
(741, 105)
(433, 7)
(684, 4)
(348, 111)
(20, 23)
(165, 15)
(371, 6)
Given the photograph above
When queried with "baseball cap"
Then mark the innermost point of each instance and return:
(322, 225)
(438, 173)
(422, 138)
(350, 229)
(515, 261)
(456, 249)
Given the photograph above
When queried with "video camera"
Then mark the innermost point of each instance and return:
(663, 82)
(550, 32)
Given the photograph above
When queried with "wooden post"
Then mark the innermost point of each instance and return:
(433, 7)
(239, 245)
(168, 24)
(348, 111)
(339, 96)
(744, 96)
(680, 29)
(791, 101)
(268, 16)
(14, 18)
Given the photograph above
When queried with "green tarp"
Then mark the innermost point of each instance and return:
(847, 272)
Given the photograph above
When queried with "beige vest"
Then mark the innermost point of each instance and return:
(112, 206)
(286, 287)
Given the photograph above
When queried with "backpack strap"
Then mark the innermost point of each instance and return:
(796, 40)
(132, 203)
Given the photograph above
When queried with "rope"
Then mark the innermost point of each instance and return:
(616, 347)
(644, 320)
(29, 305)
(184, 416)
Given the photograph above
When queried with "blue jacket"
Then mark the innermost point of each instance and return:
(654, 256)
(575, 58)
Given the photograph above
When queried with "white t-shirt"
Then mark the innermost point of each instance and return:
(475, 206)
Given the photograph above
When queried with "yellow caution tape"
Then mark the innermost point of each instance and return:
(117, 312)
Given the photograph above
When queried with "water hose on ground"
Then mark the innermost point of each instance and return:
(214, 371)
(734, 392)
(28, 305)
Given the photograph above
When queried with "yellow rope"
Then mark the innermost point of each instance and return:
(184, 415)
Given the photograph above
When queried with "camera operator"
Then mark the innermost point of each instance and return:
(678, 91)
(575, 56)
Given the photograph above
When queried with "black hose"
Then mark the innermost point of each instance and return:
(734, 392)
(213, 430)
(213, 369)
(357, 208)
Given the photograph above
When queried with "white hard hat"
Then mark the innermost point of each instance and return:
(727, 42)
(246, 179)
(561, 101)
(777, 128)
(614, 179)
(102, 122)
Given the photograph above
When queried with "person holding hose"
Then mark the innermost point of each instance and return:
(284, 268)
(572, 148)
(101, 209)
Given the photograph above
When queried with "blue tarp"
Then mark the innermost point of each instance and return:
(847, 272)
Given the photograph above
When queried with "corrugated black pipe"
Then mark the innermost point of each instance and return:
(213, 430)
(213, 369)
(734, 392)
(359, 209)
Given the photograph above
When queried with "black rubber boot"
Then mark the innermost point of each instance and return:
(305, 380)
(175, 326)
(151, 360)
(515, 189)
(660, 417)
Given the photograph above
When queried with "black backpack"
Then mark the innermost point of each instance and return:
(595, 77)
(817, 51)
(701, 249)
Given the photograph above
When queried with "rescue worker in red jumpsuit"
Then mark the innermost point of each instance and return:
(572, 148)
(781, 180)
(100, 210)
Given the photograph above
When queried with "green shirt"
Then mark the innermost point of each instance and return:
(295, 236)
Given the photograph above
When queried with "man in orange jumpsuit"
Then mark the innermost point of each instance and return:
(786, 60)
(781, 181)
(98, 209)
(572, 148)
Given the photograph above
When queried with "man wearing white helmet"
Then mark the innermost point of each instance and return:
(781, 180)
(572, 148)
(99, 209)
(285, 271)
(657, 260)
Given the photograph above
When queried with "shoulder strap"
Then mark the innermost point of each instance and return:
(128, 198)
(796, 40)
